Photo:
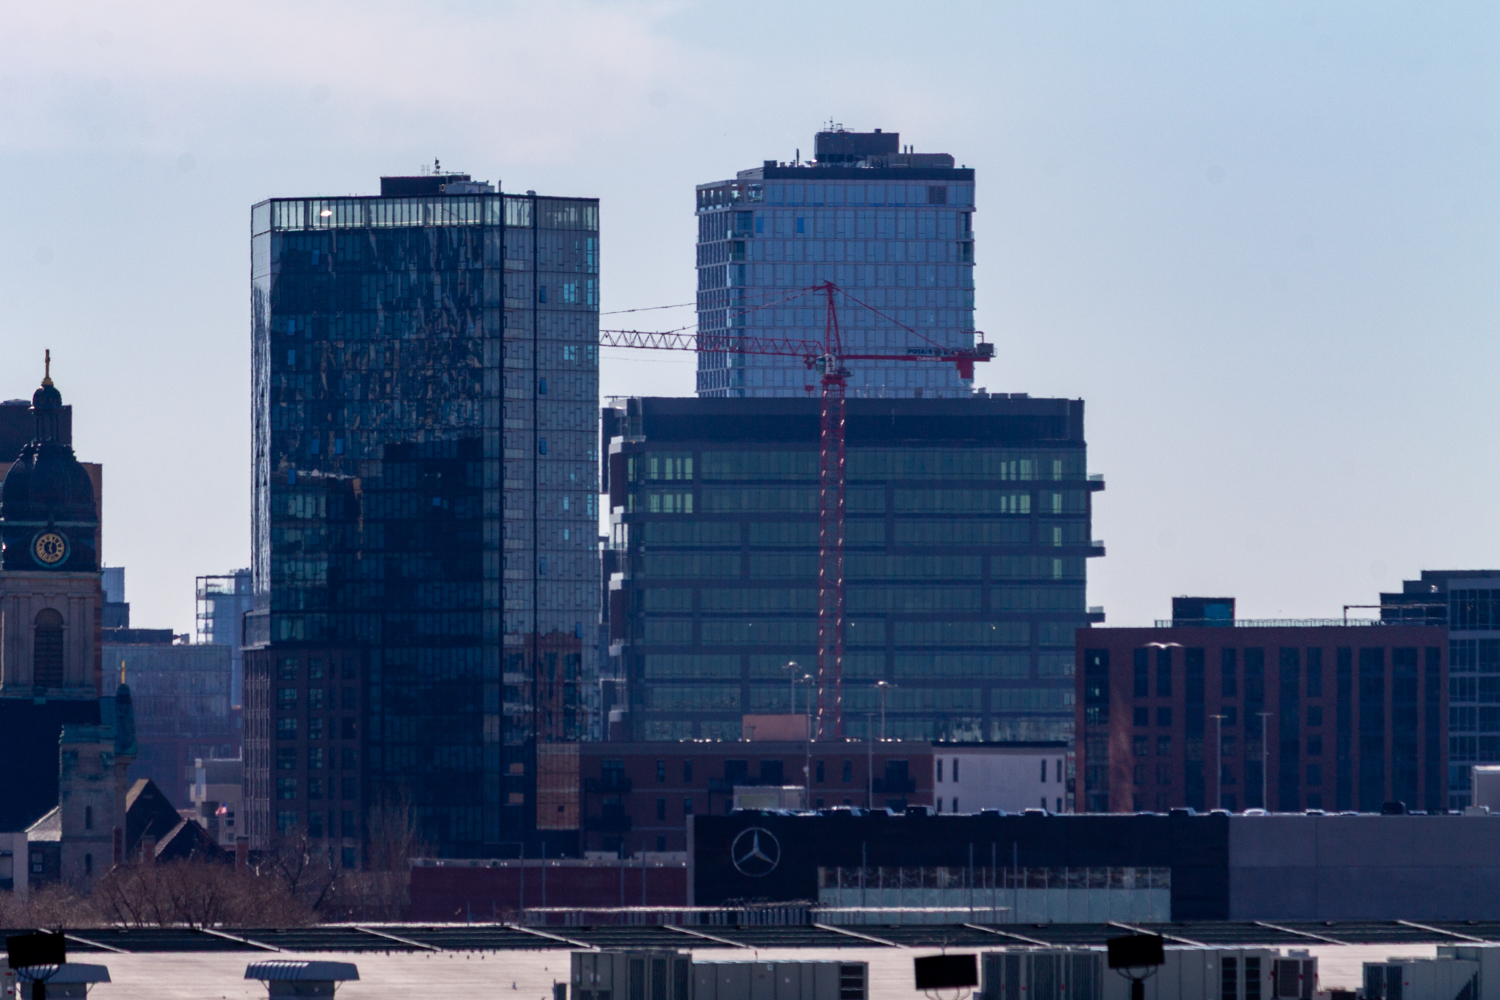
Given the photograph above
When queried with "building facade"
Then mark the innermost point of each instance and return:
(637, 797)
(966, 544)
(891, 227)
(1283, 717)
(1467, 603)
(426, 377)
(222, 602)
(182, 706)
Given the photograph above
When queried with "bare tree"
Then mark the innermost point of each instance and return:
(382, 891)
(195, 893)
(305, 867)
(48, 906)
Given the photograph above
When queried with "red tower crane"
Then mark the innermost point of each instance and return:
(828, 359)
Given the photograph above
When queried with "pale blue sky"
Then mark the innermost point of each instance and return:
(1258, 238)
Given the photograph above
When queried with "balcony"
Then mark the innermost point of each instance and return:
(1096, 614)
(1096, 483)
(1096, 548)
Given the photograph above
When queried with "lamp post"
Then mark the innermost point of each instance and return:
(1218, 761)
(1265, 776)
(884, 686)
(791, 667)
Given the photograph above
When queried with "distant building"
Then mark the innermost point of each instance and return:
(218, 794)
(50, 599)
(1467, 603)
(893, 227)
(630, 798)
(967, 539)
(425, 507)
(223, 602)
(182, 709)
(1278, 715)
(116, 608)
(1013, 777)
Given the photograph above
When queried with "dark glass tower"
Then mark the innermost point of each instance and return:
(966, 544)
(426, 375)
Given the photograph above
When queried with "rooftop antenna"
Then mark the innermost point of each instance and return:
(47, 367)
(436, 166)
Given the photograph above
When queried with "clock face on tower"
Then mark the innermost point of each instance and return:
(49, 548)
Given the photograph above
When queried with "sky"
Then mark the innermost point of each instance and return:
(1259, 239)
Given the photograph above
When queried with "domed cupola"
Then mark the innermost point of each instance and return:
(47, 513)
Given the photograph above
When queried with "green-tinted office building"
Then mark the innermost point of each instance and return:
(967, 544)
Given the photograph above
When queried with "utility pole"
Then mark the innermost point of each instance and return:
(791, 668)
(884, 686)
(1218, 800)
(1265, 774)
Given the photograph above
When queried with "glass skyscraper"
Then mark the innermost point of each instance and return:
(425, 488)
(891, 227)
(966, 544)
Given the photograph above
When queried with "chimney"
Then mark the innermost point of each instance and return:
(241, 854)
(148, 850)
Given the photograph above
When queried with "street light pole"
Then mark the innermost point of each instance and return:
(1218, 762)
(884, 686)
(792, 668)
(1265, 773)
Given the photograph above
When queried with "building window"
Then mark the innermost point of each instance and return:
(47, 650)
(1141, 746)
(286, 788)
(286, 758)
(315, 824)
(1164, 716)
(661, 770)
(286, 727)
(661, 843)
(88, 817)
(661, 809)
(1044, 777)
(1164, 746)
(955, 771)
(687, 771)
(1164, 673)
(940, 770)
(848, 771)
(687, 806)
(1142, 687)
(349, 858)
(286, 821)
(88, 864)
(1142, 716)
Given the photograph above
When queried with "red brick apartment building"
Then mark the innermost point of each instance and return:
(1285, 716)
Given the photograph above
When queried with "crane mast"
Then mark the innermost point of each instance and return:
(829, 360)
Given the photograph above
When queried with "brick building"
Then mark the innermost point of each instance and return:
(635, 797)
(1305, 715)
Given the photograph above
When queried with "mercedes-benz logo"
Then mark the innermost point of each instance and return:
(755, 852)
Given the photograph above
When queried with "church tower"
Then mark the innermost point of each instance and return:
(51, 598)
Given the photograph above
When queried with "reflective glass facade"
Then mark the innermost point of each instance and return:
(967, 538)
(426, 377)
(895, 230)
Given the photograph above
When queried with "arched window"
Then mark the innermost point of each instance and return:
(47, 650)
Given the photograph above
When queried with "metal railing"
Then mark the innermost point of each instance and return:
(1269, 622)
